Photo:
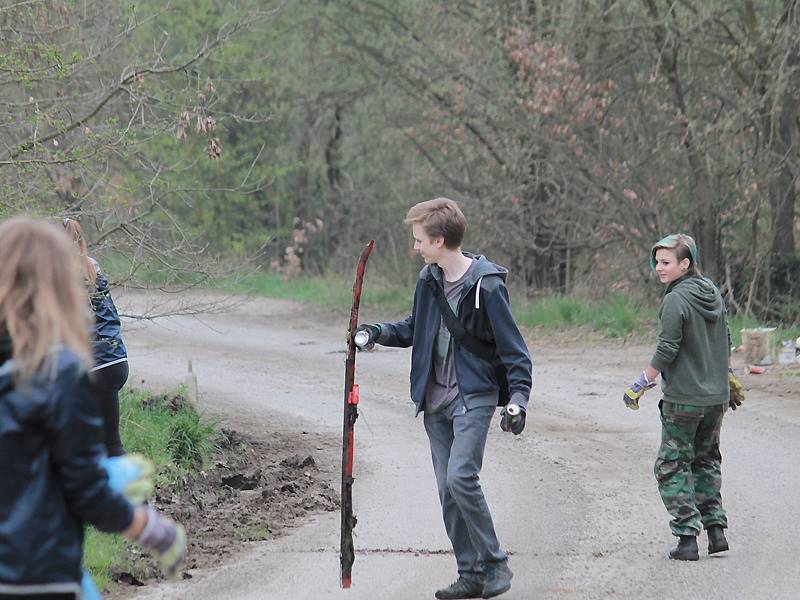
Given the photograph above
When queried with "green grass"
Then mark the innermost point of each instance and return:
(167, 430)
(252, 533)
(334, 292)
(103, 552)
(615, 317)
(120, 267)
(171, 434)
(331, 291)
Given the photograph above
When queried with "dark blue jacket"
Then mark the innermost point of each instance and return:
(485, 311)
(51, 439)
(107, 343)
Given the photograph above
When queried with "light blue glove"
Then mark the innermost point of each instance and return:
(131, 475)
(88, 588)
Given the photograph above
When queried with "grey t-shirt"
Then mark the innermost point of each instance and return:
(442, 387)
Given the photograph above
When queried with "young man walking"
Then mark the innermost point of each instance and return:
(458, 388)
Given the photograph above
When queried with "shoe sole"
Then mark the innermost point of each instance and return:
(716, 550)
(689, 558)
(502, 590)
(456, 597)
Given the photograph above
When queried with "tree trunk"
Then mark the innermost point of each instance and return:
(705, 221)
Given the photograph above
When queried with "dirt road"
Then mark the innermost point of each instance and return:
(574, 498)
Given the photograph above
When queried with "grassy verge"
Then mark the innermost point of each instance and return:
(175, 438)
(616, 315)
(335, 292)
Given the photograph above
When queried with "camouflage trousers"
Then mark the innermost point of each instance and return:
(689, 466)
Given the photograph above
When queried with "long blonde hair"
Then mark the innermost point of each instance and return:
(75, 232)
(42, 304)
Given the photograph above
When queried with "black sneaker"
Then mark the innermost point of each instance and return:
(716, 539)
(686, 549)
(463, 588)
(497, 579)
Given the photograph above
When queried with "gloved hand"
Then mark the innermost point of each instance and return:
(366, 342)
(512, 418)
(131, 475)
(88, 588)
(737, 391)
(167, 540)
(638, 387)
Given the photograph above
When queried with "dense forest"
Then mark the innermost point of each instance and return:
(574, 133)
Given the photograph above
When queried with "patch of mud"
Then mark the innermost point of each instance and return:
(254, 490)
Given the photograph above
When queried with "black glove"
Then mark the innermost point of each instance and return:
(366, 342)
(512, 418)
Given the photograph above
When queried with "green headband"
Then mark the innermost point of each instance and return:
(672, 242)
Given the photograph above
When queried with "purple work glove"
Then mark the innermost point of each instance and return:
(167, 540)
(638, 387)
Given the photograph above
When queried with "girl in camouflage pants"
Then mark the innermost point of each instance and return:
(693, 357)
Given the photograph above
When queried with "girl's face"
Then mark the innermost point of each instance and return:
(430, 249)
(668, 268)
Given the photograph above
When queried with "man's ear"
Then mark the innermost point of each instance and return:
(438, 241)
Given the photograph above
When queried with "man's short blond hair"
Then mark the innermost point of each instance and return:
(440, 217)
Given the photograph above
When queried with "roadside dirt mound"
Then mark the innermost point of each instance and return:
(255, 490)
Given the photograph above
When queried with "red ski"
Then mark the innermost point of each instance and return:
(347, 552)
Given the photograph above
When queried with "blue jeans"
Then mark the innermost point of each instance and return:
(458, 438)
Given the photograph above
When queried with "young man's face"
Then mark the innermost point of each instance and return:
(430, 249)
(668, 268)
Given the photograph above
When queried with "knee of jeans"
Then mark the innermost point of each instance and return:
(459, 482)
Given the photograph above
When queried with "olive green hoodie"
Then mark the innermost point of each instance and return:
(693, 345)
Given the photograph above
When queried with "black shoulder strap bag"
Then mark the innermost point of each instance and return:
(477, 347)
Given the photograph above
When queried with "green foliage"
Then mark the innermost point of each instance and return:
(568, 161)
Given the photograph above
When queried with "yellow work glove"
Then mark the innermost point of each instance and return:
(737, 391)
